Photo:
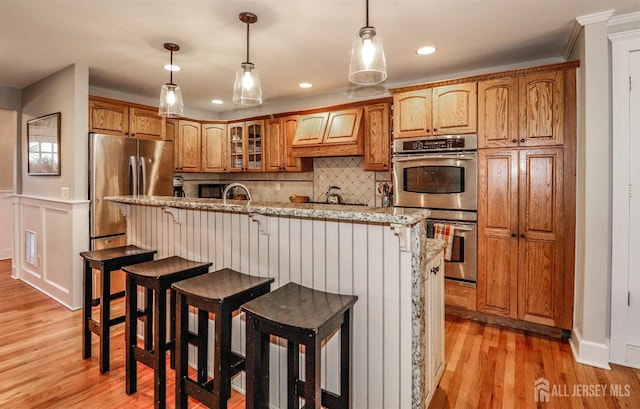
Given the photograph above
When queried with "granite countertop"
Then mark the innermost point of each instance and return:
(404, 216)
(433, 248)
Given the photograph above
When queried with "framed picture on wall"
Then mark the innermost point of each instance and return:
(43, 144)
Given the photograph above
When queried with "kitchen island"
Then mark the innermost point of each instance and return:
(381, 255)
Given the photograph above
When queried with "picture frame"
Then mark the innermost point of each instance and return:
(43, 145)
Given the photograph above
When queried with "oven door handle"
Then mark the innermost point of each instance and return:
(462, 228)
(423, 157)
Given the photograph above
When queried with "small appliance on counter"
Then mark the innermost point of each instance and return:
(178, 182)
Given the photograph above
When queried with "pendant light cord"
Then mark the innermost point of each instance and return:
(248, 62)
(171, 68)
(367, 13)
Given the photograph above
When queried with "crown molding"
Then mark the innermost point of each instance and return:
(595, 17)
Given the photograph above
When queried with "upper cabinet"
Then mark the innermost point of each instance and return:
(187, 147)
(336, 133)
(377, 137)
(214, 147)
(124, 119)
(278, 139)
(521, 111)
(245, 146)
(450, 109)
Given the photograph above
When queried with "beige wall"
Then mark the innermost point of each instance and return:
(8, 132)
(66, 92)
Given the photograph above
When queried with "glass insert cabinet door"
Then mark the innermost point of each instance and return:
(236, 144)
(254, 146)
(246, 146)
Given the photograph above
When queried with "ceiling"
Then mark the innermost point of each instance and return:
(293, 41)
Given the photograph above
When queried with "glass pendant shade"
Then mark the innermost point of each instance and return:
(247, 89)
(171, 104)
(368, 65)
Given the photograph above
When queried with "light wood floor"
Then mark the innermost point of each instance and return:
(41, 364)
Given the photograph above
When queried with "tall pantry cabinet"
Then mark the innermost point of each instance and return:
(526, 196)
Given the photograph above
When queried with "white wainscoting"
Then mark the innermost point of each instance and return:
(340, 257)
(6, 225)
(60, 231)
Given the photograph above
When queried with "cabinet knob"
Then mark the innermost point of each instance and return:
(384, 165)
(435, 129)
(435, 269)
(522, 235)
(513, 235)
(514, 140)
(522, 140)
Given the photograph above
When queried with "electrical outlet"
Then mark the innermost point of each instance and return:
(278, 186)
(64, 192)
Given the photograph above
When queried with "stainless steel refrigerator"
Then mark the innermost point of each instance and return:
(121, 166)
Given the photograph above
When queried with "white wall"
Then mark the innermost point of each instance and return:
(66, 92)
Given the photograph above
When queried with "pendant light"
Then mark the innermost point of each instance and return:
(246, 89)
(368, 65)
(171, 104)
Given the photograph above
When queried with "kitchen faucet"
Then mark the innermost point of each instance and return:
(232, 185)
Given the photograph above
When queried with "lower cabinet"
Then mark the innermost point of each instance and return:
(520, 234)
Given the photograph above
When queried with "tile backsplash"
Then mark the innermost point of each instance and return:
(356, 185)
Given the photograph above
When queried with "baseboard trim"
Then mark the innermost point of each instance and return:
(589, 352)
(48, 294)
(506, 322)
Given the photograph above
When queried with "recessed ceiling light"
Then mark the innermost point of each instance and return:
(305, 85)
(217, 101)
(173, 67)
(426, 50)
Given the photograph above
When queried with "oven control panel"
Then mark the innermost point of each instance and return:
(445, 143)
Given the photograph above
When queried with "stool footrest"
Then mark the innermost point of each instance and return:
(146, 357)
(236, 363)
(203, 393)
(117, 320)
(329, 399)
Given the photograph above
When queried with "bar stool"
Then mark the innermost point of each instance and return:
(156, 277)
(302, 316)
(221, 292)
(107, 261)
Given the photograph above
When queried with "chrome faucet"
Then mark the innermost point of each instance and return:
(232, 185)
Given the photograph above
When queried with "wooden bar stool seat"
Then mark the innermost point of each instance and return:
(302, 316)
(107, 261)
(221, 292)
(156, 278)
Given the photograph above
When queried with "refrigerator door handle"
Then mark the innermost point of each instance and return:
(133, 176)
(142, 179)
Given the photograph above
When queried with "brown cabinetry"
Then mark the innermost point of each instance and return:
(278, 139)
(377, 138)
(520, 228)
(448, 109)
(245, 146)
(124, 119)
(187, 147)
(214, 147)
(335, 133)
(521, 111)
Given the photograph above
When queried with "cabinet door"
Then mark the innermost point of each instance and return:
(273, 145)
(236, 147)
(343, 126)
(253, 148)
(145, 124)
(108, 118)
(437, 319)
(497, 232)
(171, 129)
(376, 137)
(455, 109)
(291, 163)
(214, 148)
(412, 113)
(540, 275)
(541, 109)
(498, 113)
(189, 157)
(311, 129)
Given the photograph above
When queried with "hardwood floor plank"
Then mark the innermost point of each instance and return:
(487, 366)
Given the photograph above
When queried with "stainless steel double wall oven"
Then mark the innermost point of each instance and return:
(441, 174)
